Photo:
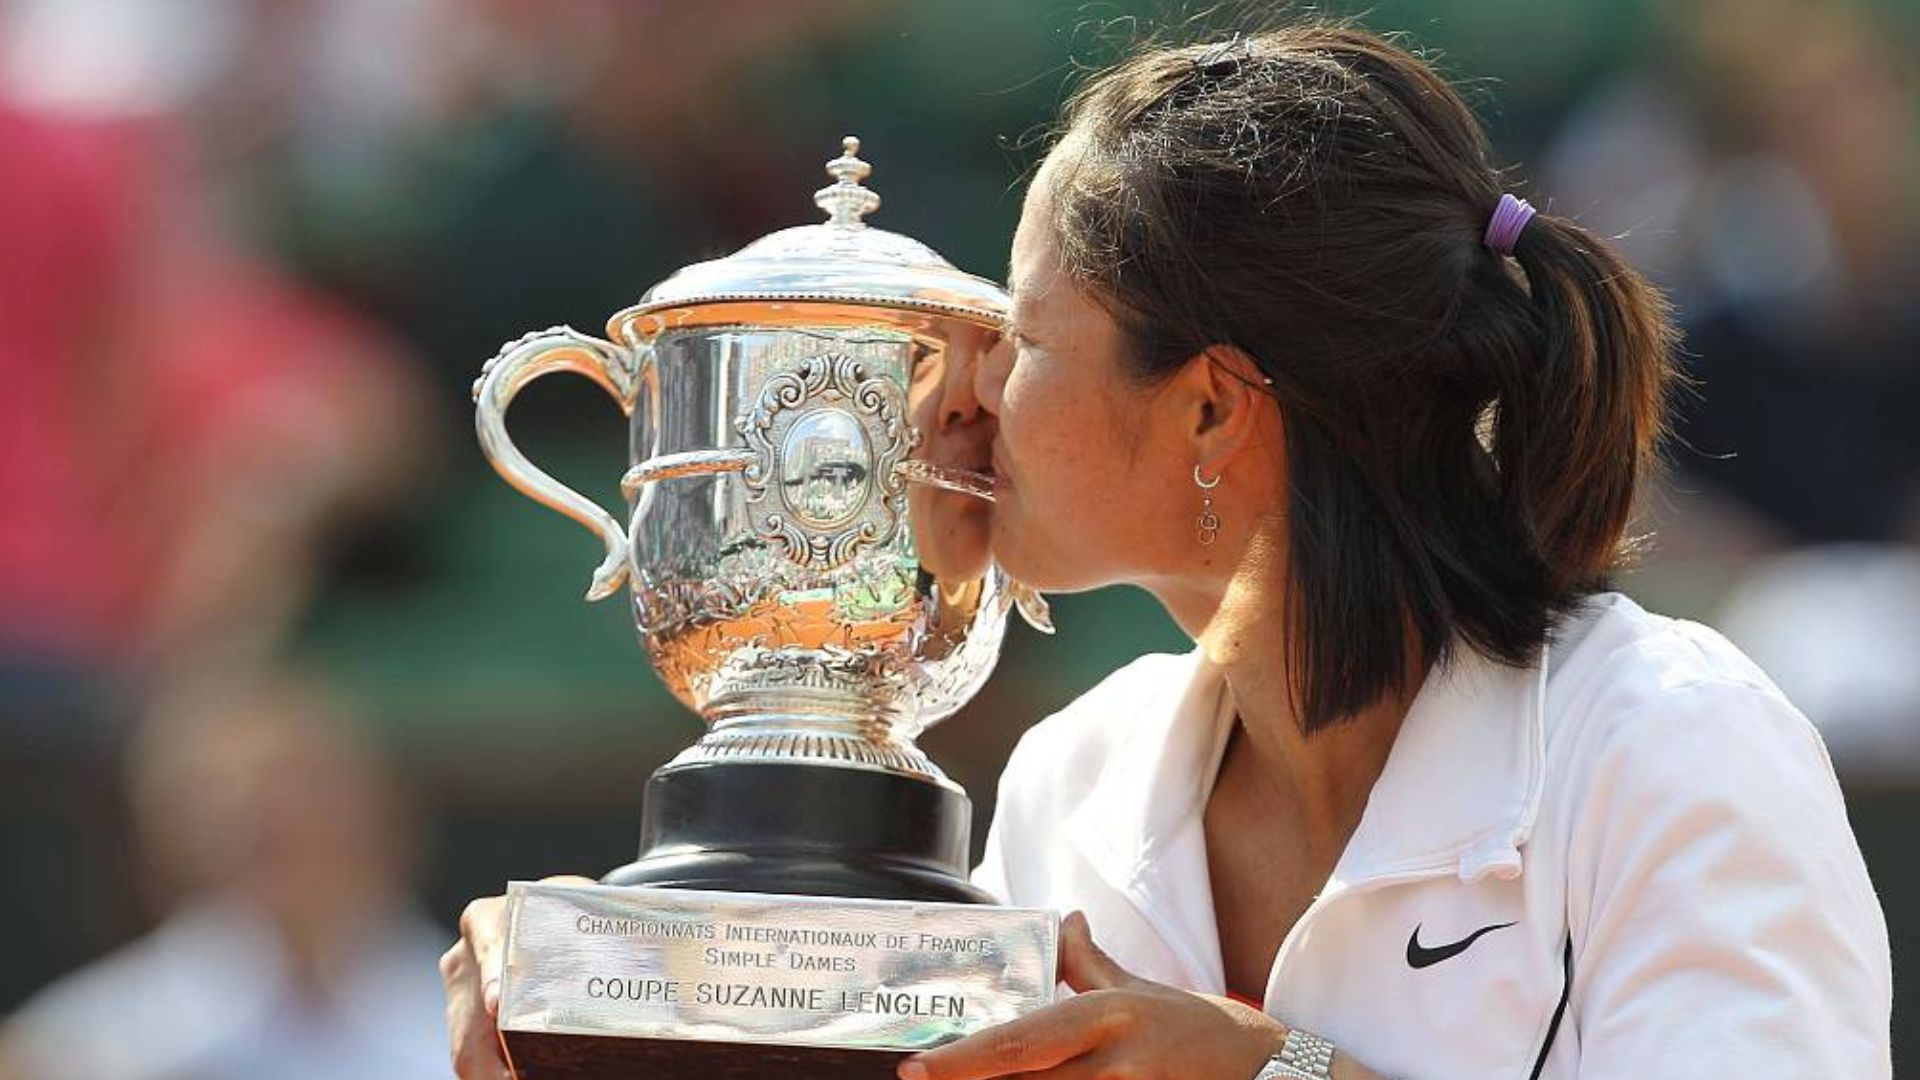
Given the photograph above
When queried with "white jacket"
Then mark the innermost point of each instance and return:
(1661, 827)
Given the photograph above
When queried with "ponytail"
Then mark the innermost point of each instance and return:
(1577, 433)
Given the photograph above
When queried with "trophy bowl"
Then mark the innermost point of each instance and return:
(806, 547)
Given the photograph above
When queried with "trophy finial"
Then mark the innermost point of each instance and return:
(845, 201)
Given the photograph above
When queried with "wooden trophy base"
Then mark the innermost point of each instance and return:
(539, 1056)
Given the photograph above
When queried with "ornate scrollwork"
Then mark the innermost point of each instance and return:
(828, 439)
(827, 667)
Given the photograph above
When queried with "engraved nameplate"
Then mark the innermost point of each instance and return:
(759, 968)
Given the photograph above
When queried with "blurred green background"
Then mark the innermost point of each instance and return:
(257, 250)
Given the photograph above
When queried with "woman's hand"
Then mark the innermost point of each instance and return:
(1117, 1025)
(471, 970)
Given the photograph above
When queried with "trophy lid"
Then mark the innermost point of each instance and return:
(842, 261)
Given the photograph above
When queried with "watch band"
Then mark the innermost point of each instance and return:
(1304, 1056)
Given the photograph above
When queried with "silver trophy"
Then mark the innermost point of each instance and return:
(806, 541)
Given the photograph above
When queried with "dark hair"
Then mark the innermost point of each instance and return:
(1465, 435)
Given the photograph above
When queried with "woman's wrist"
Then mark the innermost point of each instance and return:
(1265, 1036)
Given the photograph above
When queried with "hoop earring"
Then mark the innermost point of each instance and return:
(1209, 522)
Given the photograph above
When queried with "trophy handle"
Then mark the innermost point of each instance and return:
(686, 463)
(616, 369)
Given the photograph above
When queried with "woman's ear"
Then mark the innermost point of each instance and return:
(1228, 404)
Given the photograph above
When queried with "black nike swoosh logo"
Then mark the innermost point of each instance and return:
(1419, 956)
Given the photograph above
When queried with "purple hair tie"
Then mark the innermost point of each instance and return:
(1509, 218)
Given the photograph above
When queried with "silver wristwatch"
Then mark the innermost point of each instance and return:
(1302, 1057)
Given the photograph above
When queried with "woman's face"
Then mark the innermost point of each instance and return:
(951, 529)
(1091, 479)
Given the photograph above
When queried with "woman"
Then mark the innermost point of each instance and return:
(1424, 794)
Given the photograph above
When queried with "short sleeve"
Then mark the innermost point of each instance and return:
(1723, 922)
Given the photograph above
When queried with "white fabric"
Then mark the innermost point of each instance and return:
(1645, 793)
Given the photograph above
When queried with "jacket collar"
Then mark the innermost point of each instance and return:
(1140, 827)
(1458, 794)
(1462, 784)
(1156, 779)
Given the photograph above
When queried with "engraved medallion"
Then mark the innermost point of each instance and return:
(831, 438)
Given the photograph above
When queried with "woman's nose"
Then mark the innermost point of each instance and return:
(990, 373)
(959, 404)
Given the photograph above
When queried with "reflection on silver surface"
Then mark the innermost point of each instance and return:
(964, 481)
(806, 536)
(674, 466)
(844, 413)
(785, 601)
(746, 967)
(842, 260)
(826, 465)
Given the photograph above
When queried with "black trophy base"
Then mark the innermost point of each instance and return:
(773, 827)
(811, 830)
(540, 1056)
